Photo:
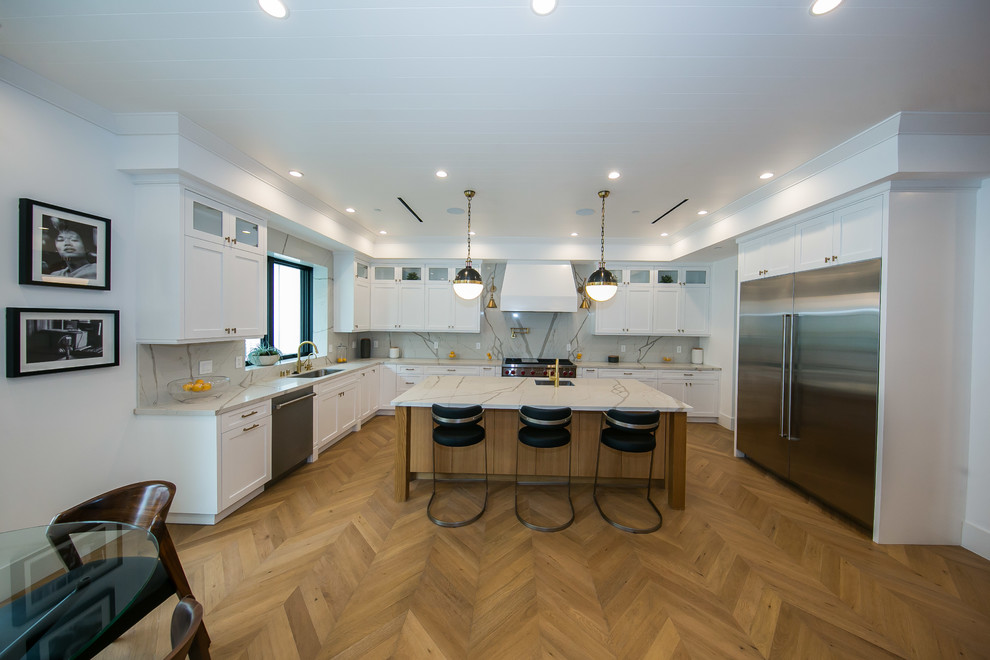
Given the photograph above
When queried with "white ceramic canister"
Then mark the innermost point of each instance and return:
(697, 356)
(394, 352)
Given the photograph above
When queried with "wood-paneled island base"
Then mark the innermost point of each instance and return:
(502, 397)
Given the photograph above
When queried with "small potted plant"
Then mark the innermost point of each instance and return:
(264, 354)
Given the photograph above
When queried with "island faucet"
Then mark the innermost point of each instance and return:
(300, 366)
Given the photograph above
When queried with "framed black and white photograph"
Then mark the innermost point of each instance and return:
(62, 247)
(44, 341)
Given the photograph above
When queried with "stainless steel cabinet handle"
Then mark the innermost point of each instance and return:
(289, 403)
(253, 426)
(253, 412)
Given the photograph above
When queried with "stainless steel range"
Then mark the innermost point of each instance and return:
(536, 367)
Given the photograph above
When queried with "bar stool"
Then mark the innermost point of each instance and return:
(544, 428)
(456, 426)
(635, 433)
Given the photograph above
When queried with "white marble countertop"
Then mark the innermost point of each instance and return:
(255, 391)
(511, 393)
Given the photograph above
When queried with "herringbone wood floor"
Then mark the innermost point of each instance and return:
(325, 565)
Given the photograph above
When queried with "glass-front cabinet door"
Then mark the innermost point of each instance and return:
(412, 274)
(667, 277)
(217, 223)
(695, 277)
(208, 220)
(361, 271)
(438, 274)
(638, 277)
(385, 274)
(246, 232)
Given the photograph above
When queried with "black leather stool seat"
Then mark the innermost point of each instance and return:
(453, 436)
(635, 442)
(544, 438)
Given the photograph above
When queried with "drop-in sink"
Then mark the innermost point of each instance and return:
(563, 383)
(315, 373)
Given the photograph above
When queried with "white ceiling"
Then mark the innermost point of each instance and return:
(686, 98)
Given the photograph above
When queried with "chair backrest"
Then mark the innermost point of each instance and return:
(544, 418)
(143, 504)
(456, 415)
(187, 617)
(628, 420)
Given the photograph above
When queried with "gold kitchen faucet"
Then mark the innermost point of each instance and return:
(300, 366)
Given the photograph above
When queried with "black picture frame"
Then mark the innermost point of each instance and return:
(85, 262)
(47, 340)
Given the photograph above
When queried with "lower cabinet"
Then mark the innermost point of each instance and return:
(369, 390)
(698, 389)
(245, 452)
(645, 376)
(336, 410)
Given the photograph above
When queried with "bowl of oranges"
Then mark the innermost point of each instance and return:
(193, 389)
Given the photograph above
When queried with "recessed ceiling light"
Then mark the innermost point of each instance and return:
(274, 8)
(819, 7)
(702, 212)
(349, 209)
(454, 210)
(441, 174)
(766, 175)
(543, 7)
(584, 212)
(382, 232)
(295, 173)
(574, 233)
(665, 234)
(614, 175)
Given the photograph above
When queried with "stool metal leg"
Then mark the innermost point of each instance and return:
(570, 502)
(484, 504)
(649, 490)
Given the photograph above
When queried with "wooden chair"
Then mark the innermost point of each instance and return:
(144, 504)
(187, 619)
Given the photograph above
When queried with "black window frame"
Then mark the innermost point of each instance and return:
(306, 306)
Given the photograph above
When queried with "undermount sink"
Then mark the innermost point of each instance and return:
(315, 373)
(563, 383)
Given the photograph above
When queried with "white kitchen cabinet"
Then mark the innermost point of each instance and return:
(369, 389)
(627, 313)
(245, 453)
(645, 376)
(457, 370)
(490, 371)
(587, 372)
(767, 256)
(335, 410)
(351, 293)
(206, 276)
(396, 379)
(446, 311)
(698, 389)
(398, 298)
(682, 301)
(845, 235)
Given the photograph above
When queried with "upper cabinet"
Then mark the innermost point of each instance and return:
(665, 300)
(844, 235)
(351, 293)
(203, 276)
(413, 297)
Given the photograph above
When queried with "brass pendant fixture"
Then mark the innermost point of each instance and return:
(601, 285)
(491, 299)
(467, 282)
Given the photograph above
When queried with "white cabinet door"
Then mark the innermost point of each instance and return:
(779, 253)
(369, 387)
(639, 310)
(203, 277)
(384, 306)
(245, 293)
(362, 305)
(347, 407)
(412, 307)
(610, 316)
(857, 231)
(326, 419)
(245, 460)
(694, 311)
(702, 396)
(673, 388)
(665, 311)
(467, 314)
(813, 243)
(752, 256)
(440, 307)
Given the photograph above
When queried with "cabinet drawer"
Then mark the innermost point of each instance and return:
(688, 375)
(332, 384)
(406, 369)
(491, 371)
(243, 417)
(403, 383)
(453, 371)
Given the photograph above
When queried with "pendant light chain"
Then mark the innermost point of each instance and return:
(603, 194)
(469, 194)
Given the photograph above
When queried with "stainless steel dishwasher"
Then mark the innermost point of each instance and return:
(292, 431)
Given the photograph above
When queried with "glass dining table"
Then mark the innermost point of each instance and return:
(62, 585)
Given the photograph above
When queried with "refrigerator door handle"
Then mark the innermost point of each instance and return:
(784, 363)
(790, 380)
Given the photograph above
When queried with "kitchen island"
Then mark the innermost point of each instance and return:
(502, 397)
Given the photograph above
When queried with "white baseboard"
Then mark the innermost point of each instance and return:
(727, 421)
(976, 539)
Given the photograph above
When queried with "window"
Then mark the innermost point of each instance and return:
(290, 307)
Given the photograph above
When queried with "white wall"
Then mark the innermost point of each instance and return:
(62, 432)
(720, 348)
(976, 528)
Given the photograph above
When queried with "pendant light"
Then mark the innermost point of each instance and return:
(467, 283)
(601, 285)
(491, 299)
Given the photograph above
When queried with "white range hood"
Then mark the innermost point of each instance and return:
(538, 286)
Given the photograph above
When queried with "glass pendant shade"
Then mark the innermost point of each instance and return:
(601, 285)
(467, 283)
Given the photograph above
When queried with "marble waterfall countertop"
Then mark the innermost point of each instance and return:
(511, 393)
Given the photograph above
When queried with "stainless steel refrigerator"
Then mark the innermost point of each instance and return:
(809, 354)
